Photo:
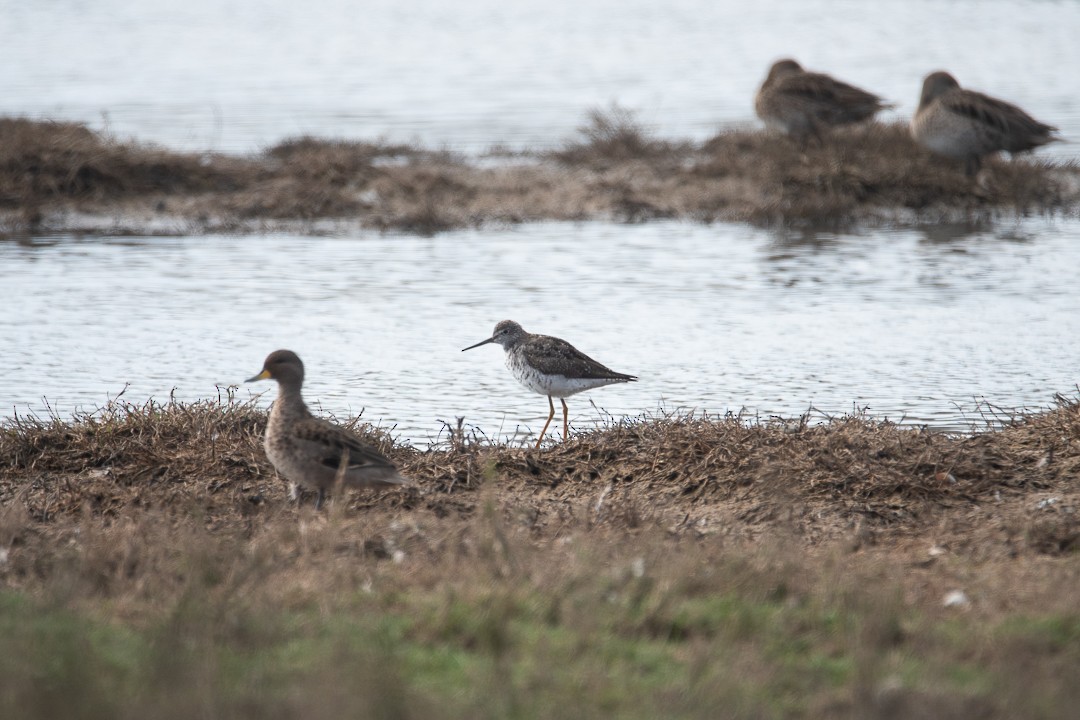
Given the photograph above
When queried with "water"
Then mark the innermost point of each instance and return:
(239, 75)
(909, 324)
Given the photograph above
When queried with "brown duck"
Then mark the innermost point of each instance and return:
(804, 104)
(310, 451)
(968, 125)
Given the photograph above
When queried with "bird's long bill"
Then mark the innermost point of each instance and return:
(482, 342)
(264, 375)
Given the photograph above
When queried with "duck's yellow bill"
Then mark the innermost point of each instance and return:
(264, 375)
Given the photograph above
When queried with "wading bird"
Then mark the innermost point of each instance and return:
(550, 366)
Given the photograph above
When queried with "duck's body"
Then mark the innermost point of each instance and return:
(804, 104)
(968, 125)
(310, 451)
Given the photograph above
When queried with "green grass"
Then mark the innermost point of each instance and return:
(631, 649)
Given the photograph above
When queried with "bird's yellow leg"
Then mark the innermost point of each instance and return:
(565, 419)
(550, 415)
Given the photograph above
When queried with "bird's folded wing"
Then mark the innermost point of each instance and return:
(328, 442)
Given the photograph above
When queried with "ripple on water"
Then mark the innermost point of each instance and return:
(906, 324)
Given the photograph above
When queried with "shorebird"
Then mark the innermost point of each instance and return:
(550, 366)
(969, 125)
(802, 104)
(310, 451)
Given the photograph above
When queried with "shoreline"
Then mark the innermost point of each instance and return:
(62, 178)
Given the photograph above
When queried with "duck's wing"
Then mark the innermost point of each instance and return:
(834, 100)
(326, 443)
(1011, 127)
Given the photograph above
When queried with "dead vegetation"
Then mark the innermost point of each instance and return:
(661, 566)
(614, 137)
(850, 478)
(62, 177)
(46, 162)
(875, 167)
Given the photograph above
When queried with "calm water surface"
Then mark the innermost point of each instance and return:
(919, 325)
(237, 75)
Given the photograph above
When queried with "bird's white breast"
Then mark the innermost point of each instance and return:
(558, 386)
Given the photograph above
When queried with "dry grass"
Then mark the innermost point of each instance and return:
(875, 168)
(43, 163)
(57, 177)
(848, 469)
(309, 179)
(153, 565)
(614, 137)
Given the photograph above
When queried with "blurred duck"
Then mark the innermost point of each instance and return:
(967, 125)
(803, 104)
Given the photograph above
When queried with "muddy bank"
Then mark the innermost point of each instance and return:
(62, 177)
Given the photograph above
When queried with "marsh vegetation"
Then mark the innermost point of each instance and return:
(62, 177)
(678, 566)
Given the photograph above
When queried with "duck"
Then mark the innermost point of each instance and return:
(804, 104)
(312, 452)
(967, 125)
